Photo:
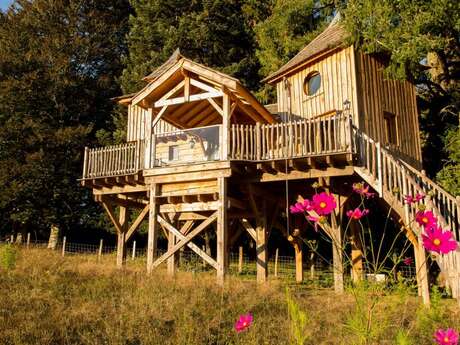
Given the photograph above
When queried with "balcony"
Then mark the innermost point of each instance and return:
(256, 143)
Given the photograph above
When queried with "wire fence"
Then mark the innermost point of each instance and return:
(319, 272)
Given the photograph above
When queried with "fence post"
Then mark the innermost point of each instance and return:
(85, 163)
(276, 262)
(134, 250)
(12, 238)
(258, 142)
(63, 246)
(28, 240)
(99, 254)
(240, 260)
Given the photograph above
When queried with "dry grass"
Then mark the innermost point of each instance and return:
(47, 299)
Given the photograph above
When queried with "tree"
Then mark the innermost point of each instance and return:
(216, 33)
(58, 66)
(290, 26)
(422, 41)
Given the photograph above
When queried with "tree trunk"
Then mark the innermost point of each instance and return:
(54, 237)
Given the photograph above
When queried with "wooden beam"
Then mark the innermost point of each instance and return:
(108, 208)
(248, 227)
(192, 98)
(202, 86)
(222, 231)
(261, 245)
(121, 244)
(216, 106)
(191, 245)
(186, 240)
(159, 115)
(137, 222)
(153, 227)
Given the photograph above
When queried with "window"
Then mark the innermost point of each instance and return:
(173, 153)
(391, 132)
(312, 83)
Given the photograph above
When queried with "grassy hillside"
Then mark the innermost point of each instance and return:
(47, 299)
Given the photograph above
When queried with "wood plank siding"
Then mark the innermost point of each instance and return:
(337, 85)
(136, 124)
(379, 97)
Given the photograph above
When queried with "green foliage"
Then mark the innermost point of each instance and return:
(299, 322)
(412, 34)
(8, 256)
(449, 176)
(217, 33)
(58, 66)
(290, 26)
(403, 338)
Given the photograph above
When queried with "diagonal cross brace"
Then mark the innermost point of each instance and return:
(191, 245)
(186, 240)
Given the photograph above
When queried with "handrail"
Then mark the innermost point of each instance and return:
(114, 160)
(300, 138)
(380, 167)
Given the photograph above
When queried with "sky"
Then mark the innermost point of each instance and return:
(4, 4)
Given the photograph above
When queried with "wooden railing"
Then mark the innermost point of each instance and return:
(394, 179)
(301, 138)
(117, 160)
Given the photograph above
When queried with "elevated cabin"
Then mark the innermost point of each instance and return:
(329, 73)
(201, 152)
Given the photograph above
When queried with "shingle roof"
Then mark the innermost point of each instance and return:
(165, 66)
(334, 36)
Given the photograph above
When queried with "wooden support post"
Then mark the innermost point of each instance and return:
(149, 161)
(298, 260)
(225, 135)
(203, 248)
(172, 260)
(422, 272)
(222, 230)
(261, 245)
(276, 262)
(134, 250)
(63, 246)
(28, 240)
(356, 253)
(240, 260)
(153, 227)
(12, 239)
(121, 245)
(312, 265)
(337, 252)
(99, 254)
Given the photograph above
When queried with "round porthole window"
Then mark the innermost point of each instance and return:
(312, 83)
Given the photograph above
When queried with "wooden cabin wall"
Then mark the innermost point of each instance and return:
(377, 95)
(136, 124)
(200, 152)
(338, 84)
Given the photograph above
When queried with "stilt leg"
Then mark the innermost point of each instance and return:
(298, 248)
(356, 253)
(261, 245)
(121, 245)
(172, 259)
(337, 254)
(422, 274)
(222, 231)
(153, 228)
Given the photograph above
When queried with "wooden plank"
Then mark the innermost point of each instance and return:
(137, 222)
(191, 245)
(186, 240)
(192, 98)
(248, 227)
(153, 227)
(222, 231)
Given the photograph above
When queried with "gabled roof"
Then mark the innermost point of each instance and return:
(188, 94)
(332, 37)
(176, 56)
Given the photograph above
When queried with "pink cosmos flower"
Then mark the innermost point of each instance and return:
(362, 189)
(357, 213)
(408, 261)
(409, 199)
(439, 241)
(301, 207)
(323, 203)
(446, 337)
(425, 218)
(243, 322)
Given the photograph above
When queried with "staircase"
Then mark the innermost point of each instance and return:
(393, 178)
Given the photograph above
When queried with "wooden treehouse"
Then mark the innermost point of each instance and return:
(202, 154)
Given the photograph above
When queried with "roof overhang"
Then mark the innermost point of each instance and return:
(187, 94)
